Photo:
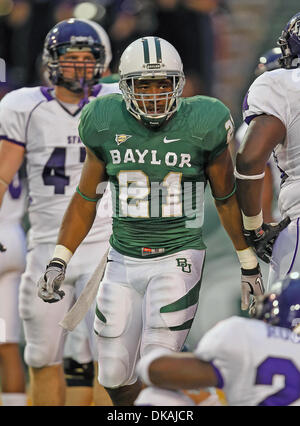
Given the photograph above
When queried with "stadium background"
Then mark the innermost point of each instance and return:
(219, 41)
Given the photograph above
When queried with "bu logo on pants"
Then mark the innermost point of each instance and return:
(185, 267)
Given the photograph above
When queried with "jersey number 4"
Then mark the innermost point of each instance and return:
(54, 170)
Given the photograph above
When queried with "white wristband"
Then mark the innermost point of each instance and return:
(247, 258)
(63, 253)
(248, 177)
(143, 364)
(252, 222)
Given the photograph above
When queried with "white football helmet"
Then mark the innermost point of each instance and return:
(151, 58)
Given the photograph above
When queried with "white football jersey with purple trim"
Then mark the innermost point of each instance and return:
(33, 118)
(277, 93)
(257, 364)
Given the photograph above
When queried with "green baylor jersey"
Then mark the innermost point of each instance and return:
(157, 177)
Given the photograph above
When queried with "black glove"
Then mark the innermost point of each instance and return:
(50, 282)
(263, 238)
(2, 248)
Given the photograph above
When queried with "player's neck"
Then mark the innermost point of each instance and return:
(65, 95)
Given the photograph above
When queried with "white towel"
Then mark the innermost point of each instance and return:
(86, 298)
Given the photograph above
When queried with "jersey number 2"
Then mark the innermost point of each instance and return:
(265, 374)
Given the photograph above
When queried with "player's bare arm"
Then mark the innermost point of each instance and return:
(76, 223)
(182, 371)
(263, 134)
(268, 195)
(81, 212)
(221, 178)
(170, 370)
(222, 182)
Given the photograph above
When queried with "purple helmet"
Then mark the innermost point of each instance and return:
(74, 34)
(281, 306)
(268, 61)
(289, 42)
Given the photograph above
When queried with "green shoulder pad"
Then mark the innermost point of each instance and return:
(95, 118)
(213, 125)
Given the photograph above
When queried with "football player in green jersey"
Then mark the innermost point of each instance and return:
(158, 152)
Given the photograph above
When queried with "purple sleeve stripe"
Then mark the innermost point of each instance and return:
(12, 140)
(296, 249)
(220, 384)
(250, 118)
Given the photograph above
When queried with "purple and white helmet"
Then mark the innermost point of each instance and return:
(289, 42)
(281, 305)
(76, 34)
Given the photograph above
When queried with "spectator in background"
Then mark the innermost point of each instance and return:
(127, 20)
(188, 25)
(22, 31)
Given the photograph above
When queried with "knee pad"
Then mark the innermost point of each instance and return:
(112, 372)
(77, 374)
(116, 348)
(113, 310)
(115, 367)
(35, 356)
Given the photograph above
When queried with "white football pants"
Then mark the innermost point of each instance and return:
(12, 265)
(286, 253)
(142, 304)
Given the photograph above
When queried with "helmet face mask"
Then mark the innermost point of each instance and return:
(154, 108)
(74, 73)
(151, 61)
(71, 37)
